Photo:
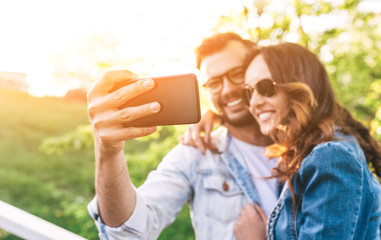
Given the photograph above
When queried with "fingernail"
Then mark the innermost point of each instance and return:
(155, 107)
(148, 83)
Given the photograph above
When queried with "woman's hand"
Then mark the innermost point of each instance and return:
(198, 135)
(251, 224)
(107, 118)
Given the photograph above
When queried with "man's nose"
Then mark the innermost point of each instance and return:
(227, 86)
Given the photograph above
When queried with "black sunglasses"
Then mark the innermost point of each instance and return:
(266, 87)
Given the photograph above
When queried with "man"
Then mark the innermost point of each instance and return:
(217, 184)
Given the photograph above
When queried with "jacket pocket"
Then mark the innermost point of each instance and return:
(225, 198)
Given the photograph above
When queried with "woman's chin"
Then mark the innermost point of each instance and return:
(266, 130)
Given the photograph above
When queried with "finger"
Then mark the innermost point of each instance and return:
(129, 114)
(244, 212)
(111, 118)
(261, 213)
(181, 139)
(188, 139)
(125, 133)
(132, 132)
(112, 101)
(251, 213)
(109, 79)
(211, 147)
(200, 145)
(124, 94)
(194, 131)
(197, 139)
(208, 131)
(249, 209)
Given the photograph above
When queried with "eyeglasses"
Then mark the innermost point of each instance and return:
(235, 75)
(266, 87)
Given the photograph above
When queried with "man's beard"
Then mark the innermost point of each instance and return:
(243, 120)
(246, 119)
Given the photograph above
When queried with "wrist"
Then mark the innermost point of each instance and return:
(108, 151)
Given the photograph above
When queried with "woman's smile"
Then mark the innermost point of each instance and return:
(268, 111)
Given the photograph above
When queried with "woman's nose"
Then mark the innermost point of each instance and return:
(256, 99)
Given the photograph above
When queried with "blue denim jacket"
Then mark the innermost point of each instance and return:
(215, 185)
(337, 197)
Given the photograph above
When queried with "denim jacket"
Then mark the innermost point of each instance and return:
(336, 196)
(215, 185)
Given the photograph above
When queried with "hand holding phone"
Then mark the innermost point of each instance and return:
(177, 95)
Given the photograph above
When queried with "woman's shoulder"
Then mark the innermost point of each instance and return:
(339, 151)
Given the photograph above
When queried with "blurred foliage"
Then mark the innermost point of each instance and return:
(80, 138)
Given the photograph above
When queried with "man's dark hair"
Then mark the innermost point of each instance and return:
(216, 43)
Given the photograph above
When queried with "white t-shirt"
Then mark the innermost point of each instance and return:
(259, 166)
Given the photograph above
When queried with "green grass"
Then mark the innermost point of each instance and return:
(58, 186)
(48, 186)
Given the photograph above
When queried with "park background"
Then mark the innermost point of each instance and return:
(62, 47)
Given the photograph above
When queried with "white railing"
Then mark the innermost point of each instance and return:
(28, 226)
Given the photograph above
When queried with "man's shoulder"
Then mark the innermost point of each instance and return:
(185, 150)
(218, 137)
(188, 153)
(183, 153)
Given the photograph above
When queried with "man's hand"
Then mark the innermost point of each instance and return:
(116, 196)
(193, 135)
(107, 119)
(251, 224)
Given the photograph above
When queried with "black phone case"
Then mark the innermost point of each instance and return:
(179, 99)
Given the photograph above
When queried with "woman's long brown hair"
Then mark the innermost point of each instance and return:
(314, 112)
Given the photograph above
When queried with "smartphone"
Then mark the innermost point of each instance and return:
(178, 96)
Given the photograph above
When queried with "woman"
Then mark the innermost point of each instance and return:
(323, 153)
